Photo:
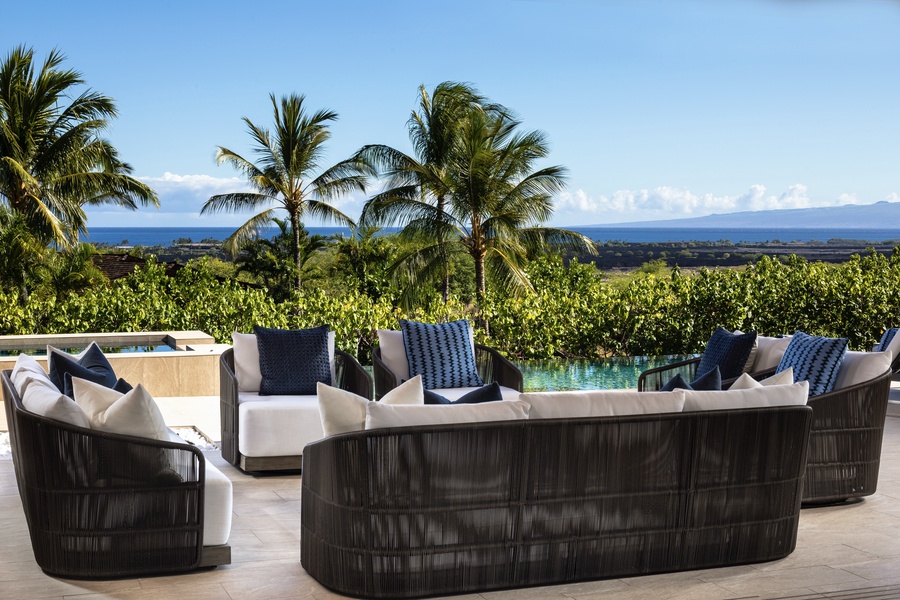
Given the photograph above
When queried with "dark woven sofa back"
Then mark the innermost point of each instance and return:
(102, 505)
(421, 511)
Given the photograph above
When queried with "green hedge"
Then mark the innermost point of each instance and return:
(572, 312)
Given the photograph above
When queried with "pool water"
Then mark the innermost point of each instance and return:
(610, 373)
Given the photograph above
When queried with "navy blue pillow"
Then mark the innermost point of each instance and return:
(728, 351)
(887, 338)
(489, 392)
(711, 381)
(92, 365)
(122, 386)
(441, 354)
(292, 361)
(814, 359)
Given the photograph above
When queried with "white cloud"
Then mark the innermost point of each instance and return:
(580, 207)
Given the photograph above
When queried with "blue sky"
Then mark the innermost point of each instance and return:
(658, 108)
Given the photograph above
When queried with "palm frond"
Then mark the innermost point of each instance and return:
(248, 231)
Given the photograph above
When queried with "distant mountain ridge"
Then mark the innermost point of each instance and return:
(880, 215)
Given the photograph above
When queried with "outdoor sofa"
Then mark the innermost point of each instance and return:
(426, 510)
(104, 505)
(268, 433)
(847, 425)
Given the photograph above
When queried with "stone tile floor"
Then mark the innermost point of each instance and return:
(847, 551)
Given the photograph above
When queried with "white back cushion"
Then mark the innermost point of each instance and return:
(379, 415)
(342, 411)
(859, 367)
(772, 395)
(769, 351)
(134, 413)
(246, 360)
(601, 403)
(42, 398)
(745, 382)
(26, 368)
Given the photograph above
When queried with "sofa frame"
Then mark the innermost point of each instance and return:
(490, 364)
(86, 520)
(349, 375)
(846, 437)
(448, 509)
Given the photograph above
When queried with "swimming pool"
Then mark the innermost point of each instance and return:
(610, 373)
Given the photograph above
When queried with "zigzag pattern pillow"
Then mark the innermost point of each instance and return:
(886, 339)
(814, 359)
(441, 354)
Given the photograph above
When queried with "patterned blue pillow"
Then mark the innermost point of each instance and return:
(814, 359)
(441, 354)
(728, 351)
(886, 339)
(292, 361)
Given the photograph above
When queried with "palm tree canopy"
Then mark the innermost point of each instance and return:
(287, 174)
(53, 159)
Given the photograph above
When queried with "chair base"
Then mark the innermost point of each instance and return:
(270, 463)
(213, 556)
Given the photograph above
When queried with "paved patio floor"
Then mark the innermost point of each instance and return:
(848, 551)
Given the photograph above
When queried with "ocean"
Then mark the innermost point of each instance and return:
(166, 236)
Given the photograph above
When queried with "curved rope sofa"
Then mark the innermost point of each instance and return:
(447, 509)
(95, 505)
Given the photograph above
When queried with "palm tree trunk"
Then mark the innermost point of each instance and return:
(480, 288)
(295, 231)
(445, 283)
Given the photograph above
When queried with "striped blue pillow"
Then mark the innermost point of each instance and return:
(442, 354)
(814, 359)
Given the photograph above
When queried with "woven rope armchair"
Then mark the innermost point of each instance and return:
(96, 507)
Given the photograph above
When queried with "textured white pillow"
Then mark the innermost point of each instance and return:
(859, 367)
(601, 403)
(379, 415)
(745, 382)
(43, 398)
(134, 413)
(26, 368)
(393, 351)
(769, 352)
(246, 360)
(342, 411)
(771, 395)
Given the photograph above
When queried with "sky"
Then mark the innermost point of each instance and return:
(658, 108)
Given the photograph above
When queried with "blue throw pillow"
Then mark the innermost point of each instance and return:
(91, 365)
(814, 359)
(711, 381)
(886, 339)
(728, 351)
(489, 392)
(292, 361)
(441, 354)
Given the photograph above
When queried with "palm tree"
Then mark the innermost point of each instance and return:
(433, 131)
(284, 175)
(53, 160)
(23, 257)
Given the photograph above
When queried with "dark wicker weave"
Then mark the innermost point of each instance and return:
(349, 375)
(418, 511)
(96, 508)
(491, 366)
(845, 442)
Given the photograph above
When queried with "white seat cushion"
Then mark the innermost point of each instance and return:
(758, 397)
(217, 503)
(277, 425)
(454, 394)
(601, 403)
(859, 367)
(380, 415)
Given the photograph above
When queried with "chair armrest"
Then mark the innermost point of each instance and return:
(351, 375)
(228, 407)
(653, 379)
(493, 366)
(385, 379)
